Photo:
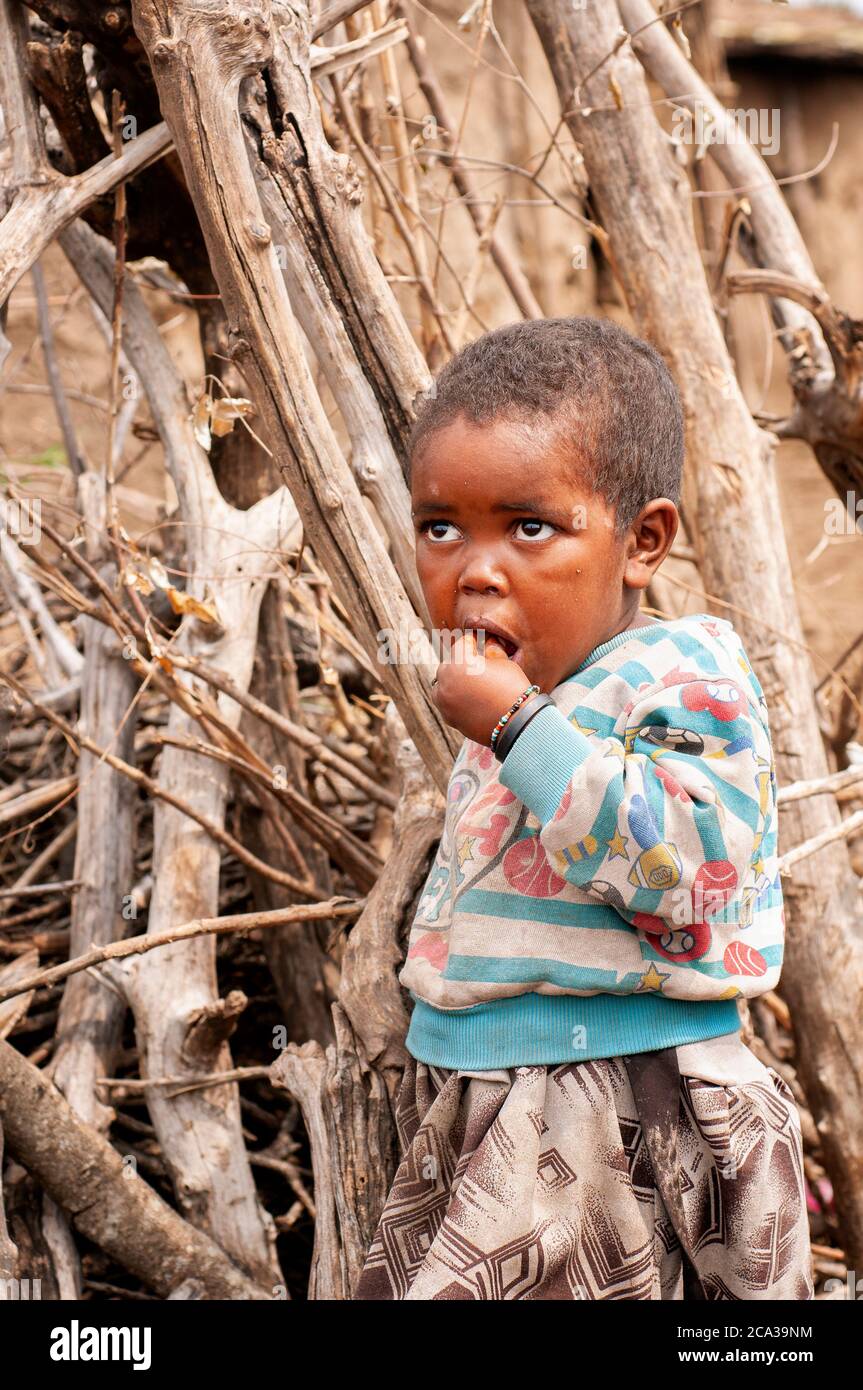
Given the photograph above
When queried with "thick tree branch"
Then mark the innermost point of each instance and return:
(733, 514)
(199, 60)
(108, 1203)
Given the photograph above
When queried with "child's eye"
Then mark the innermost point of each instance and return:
(530, 521)
(426, 530)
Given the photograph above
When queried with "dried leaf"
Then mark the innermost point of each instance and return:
(201, 421)
(134, 579)
(616, 92)
(158, 573)
(226, 411)
(204, 610)
(218, 416)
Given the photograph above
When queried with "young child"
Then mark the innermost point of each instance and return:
(579, 1117)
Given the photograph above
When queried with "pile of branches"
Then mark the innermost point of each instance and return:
(72, 806)
(215, 792)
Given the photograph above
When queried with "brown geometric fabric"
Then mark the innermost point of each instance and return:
(618, 1178)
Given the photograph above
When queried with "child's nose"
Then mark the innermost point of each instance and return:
(483, 572)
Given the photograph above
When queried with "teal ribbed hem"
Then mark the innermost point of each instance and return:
(547, 1029)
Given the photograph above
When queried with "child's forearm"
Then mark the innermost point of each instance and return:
(665, 821)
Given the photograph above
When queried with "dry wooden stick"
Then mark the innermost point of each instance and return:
(351, 853)
(407, 183)
(325, 209)
(52, 369)
(185, 1083)
(200, 61)
(334, 13)
(457, 137)
(39, 212)
(824, 371)
(410, 239)
(93, 576)
(339, 906)
(838, 330)
(289, 1172)
(153, 789)
(65, 657)
(355, 856)
(119, 227)
(310, 742)
(842, 831)
(345, 305)
(817, 786)
(38, 889)
(256, 782)
(780, 242)
(501, 253)
(108, 1203)
(357, 50)
(477, 266)
(44, 795)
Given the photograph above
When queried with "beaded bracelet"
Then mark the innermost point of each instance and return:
(504, 718)
(519, 722)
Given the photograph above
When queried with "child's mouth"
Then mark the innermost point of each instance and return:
(511, 649)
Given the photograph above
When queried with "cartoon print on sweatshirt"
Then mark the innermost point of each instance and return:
(435, 904)
(669, 819)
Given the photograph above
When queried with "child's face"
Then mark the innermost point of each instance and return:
(504, 532)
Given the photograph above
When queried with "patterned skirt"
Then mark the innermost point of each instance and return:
(611, 1179)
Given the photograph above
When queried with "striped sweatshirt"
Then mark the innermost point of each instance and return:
(612, 886)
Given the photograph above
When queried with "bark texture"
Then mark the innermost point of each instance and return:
(731, 505)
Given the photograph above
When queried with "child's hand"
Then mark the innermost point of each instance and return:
(474, 689)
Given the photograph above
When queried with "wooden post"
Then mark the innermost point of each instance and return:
(734, 520)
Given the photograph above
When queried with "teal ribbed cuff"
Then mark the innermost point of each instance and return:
(547, 1029)
(540, 764)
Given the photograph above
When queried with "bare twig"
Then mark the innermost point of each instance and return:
(501, 252)
(798, 791)
(52, 369)
(843, 831)
(334, 13)
(222, 837)
(40, 211)
(211, 926)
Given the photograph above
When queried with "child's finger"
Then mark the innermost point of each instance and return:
(462, 648)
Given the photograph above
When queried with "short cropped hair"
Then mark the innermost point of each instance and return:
(609, 396)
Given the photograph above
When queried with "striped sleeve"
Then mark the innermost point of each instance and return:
(663, 822)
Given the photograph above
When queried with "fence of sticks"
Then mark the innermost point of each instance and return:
(218, 804)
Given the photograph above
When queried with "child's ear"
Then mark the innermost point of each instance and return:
(649, 540)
